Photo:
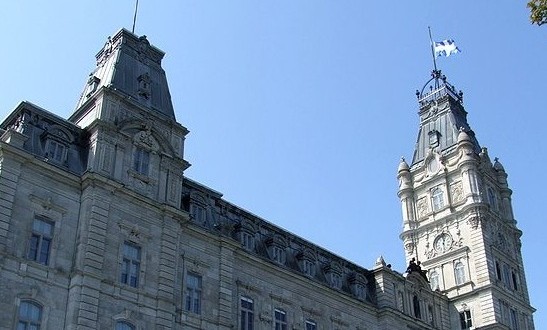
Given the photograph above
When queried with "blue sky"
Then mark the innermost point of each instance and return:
(299, 111)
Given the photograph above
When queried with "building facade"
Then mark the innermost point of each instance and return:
(100, 229)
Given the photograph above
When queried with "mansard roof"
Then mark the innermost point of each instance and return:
(132, 66)
(40, 127)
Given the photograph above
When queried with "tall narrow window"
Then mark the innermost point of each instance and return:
(515, 280)
(459, 272)
(131, 264)
(514, 320)
(247, 314)
(465, 320)
(193, 293)
(280, 320)
(311, 325)
(498, 270)
(247, 240)
(141, 160)
(30, 316)
(437, 199)
(123, 325)
(40, 241)
(491, 195)
(434, 280)
(417, 311)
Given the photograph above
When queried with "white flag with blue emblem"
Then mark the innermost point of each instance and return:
(445, 48)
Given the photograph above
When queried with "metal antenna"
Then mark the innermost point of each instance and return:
(135, 16)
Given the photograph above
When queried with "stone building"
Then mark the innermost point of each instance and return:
(100, 229)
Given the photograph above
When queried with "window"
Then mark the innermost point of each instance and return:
(247, 316)
(280, 320)
(498, 270)
(131, 264)
(437, 198)
(335, 280)
(141, 160)
(311, 325)
(416, 305)
(40, 241)
(193, 293)
(465, 320)
(434, 280)
(514, 320)
(247, 241)
(278, 254)
(515, 281)
(198, 213)
(491, 195)
(400, 301)
(506, 275)
(308, 267)
(459, 272)
(123, 325)
(30, 316)
(55, 151)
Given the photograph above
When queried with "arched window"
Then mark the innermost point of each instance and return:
(437, 198)
(434, 280)
(459, 272)
(123, 325)
(30, 316)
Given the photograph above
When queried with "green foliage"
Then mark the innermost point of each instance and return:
(538, 11)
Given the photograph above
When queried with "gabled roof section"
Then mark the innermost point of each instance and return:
(130, 65)
(442, 116)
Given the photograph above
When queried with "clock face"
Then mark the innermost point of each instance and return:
(443, 242)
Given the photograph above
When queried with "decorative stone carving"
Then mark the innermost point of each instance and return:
(456, 191)
(422, 207)
(474, 221)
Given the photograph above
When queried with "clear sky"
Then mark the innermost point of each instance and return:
(299, 111)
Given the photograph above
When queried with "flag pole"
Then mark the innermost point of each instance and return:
(135, 16)
(432, 50)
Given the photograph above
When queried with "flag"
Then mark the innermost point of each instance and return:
(445, 48)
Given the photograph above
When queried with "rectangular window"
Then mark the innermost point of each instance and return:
(465, 320)
(280, 320)
(193, 293)
(514, 320)
(247, 315)
(55, 151)
(40, 241)
(311, 325)
(437, 199)
(131, 264)
(198, 213)
(141, 160)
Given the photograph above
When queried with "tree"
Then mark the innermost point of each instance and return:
(538, 11)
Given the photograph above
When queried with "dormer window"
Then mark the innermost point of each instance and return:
(276, 249)
(56, 151)
(434, 138)
(92, 85)
(141, 160)
(278, 254)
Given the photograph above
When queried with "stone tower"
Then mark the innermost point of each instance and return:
(126, 107)
(458, 222)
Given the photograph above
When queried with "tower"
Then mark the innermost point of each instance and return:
(458, 220)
